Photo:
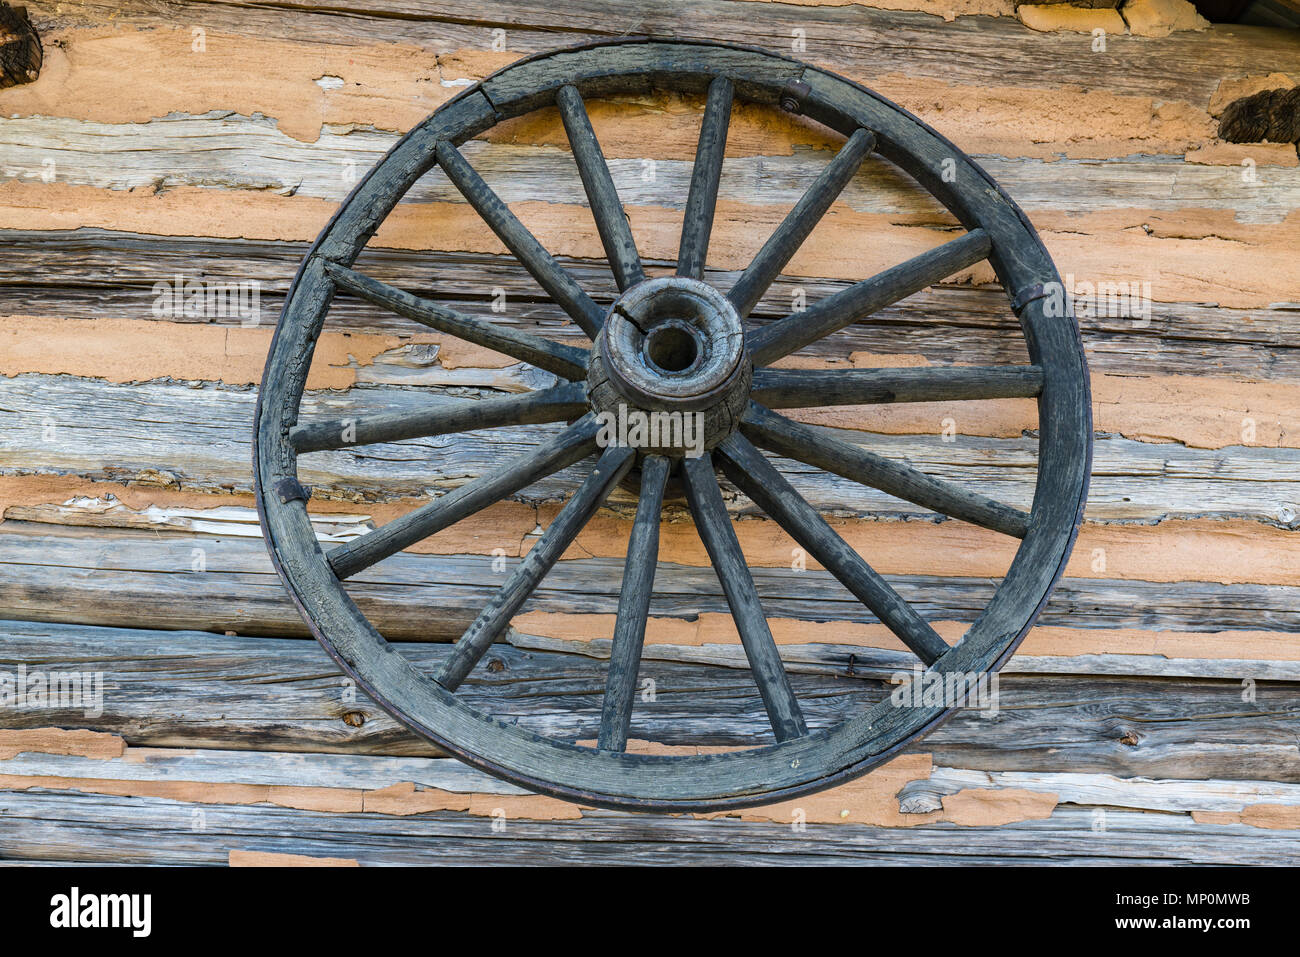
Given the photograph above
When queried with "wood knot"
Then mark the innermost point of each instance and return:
(20, 48)
(1272, 115)
(354, 719)
(1129, 738)
(496, 666)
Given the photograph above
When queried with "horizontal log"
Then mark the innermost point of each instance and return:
(886, 664)
(125, 577)
(1101, 790)
(207, 779)
(1102, 652)
(51, 826)
(851, 38)
(192, 689)
(93, 272)
(1172, 267)
(196, 438)
(223, 149)
(346, 774)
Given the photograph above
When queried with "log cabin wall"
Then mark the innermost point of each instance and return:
(1153, 715)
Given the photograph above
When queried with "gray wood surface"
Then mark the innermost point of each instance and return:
(854, 39)
(240, 152)
(198, 437)
(719, 537)
(61, 825)
(634, 595)
(203, 690)
(606, 207)
(113, 576)
(93, 272)
(706, 176)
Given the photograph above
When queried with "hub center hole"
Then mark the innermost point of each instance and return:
(671, 348)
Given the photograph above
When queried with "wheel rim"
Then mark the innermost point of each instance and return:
(800, 761)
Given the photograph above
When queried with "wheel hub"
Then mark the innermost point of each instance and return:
(674, 346)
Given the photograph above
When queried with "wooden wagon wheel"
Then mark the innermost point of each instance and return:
(675, 343)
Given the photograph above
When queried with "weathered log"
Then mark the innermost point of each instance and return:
(195, 438)
(1103, 790)
(250, 153)
(349, 773)
(125, 577)
(92, 273)
(201, 781)
(853, 38)
(886, 664)
(51, 826)
(194, 689)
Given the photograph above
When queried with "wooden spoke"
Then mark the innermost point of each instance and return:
(543, 267)
(817, 448)
(559, 404)
(858, 301)
(789, 236)
(702, 201)
(570, 446)
(568, 362)
(806, 388)
(633, 607)
(754, 475)
(611, 222)
(610, 469)
(719, 538)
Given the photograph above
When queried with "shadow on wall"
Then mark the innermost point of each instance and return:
(1260, 13)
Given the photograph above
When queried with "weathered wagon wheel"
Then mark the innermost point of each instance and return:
(671, 344)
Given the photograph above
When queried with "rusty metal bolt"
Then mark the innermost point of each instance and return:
(793, 96)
